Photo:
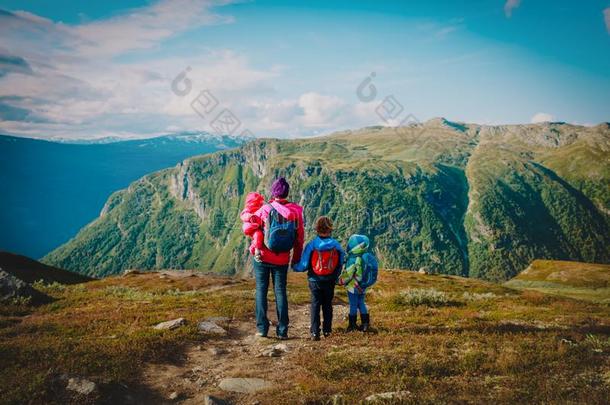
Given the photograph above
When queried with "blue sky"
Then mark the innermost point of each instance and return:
(91, 69)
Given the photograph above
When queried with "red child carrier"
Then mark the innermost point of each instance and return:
(324, 262)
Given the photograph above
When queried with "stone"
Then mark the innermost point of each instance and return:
(275, 350)
(174, 396)
(387, 396)
(81, 385)
(218, 319)
(216, 351)
(281, 347)
(244, 385)
(173, 324)
(12, 288)
(210, 328)
(423, 270)
(131, 271)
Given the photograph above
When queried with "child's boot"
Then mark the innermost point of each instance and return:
(366, 321)
(352, 323)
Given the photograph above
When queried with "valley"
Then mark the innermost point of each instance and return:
(468, 200)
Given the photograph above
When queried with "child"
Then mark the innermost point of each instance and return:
(323, 259)
(359, 274)
(252, 224)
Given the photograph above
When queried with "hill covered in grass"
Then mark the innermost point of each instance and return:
(32, 271)
(461, 199)
(436, 339)
(571, 279)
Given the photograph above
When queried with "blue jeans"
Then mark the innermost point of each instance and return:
(356, 303)
(262, 273)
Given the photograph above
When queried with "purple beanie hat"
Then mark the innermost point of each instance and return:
(280, 188)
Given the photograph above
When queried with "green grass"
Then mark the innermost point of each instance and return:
(585, 281)
(491, 344)
(103, 330)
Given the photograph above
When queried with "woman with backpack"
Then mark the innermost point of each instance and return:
(283, 231)
(322, 259)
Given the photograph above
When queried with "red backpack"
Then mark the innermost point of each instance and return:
(324, 262)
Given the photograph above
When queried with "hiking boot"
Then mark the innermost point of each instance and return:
(327, 334)
(283, 337)
(366, 321)
(260, 335)
(352, 323)
(315, 337)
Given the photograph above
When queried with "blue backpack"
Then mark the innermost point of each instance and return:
(280, 233)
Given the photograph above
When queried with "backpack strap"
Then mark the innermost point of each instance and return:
(331, 257)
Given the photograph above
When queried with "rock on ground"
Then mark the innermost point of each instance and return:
(81, 385)
(275, 350)
(210, 327)
(173, 324)
(217, 351)
(387, 396)
(11, 288)
(244, 385)
(218, 319)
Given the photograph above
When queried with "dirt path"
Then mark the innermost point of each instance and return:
(237, 354)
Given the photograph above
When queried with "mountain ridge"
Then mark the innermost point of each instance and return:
(432, 196)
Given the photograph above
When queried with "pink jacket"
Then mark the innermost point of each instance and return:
(290, 211)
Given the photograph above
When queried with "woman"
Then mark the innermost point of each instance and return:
(283, 232)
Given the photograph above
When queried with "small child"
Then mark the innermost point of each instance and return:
(252, 224)
(359, 274)
(323, 259)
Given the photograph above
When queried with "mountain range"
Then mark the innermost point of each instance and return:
(51, 189)
(462, 199)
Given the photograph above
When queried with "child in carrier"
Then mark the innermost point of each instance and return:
(253, 224)
(359, 274)
(322, 259)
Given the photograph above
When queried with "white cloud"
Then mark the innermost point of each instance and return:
(320, 110)
(90, 80)
(542, 117)
(607, 19)
(70, 84)
(138, 28)
(144, 27)
(509, 6)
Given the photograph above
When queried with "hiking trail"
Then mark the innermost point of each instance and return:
(238, 356)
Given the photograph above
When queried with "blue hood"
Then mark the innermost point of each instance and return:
(358, 244)
(325, 243)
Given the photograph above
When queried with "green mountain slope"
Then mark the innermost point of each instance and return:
(585, 281)
(455, 198)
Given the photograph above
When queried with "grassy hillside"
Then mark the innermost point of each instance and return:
(571, 279)
(458, 199)
(442, 338)
(31, 271)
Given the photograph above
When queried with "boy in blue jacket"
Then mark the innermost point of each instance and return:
(322, 259)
